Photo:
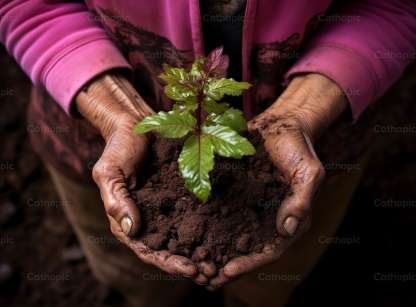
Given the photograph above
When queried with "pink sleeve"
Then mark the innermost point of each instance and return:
(364, 46)
(58, 44)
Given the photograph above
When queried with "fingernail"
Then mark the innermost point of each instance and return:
(290, 225)
(126, 224)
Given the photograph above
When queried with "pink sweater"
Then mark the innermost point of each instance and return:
(364, 45)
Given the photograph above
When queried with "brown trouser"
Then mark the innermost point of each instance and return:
(115, 265)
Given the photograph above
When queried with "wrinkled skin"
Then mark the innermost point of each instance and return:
(112, 105)
(289, 128)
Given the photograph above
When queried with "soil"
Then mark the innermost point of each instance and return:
(236, 220)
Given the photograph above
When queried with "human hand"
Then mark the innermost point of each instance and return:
(289, 128)
(112, 105)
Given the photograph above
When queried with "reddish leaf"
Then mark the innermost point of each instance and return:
(217, 63)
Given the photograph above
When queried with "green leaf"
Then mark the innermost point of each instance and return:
(217, 88)
(227, 142)
(197, 68)
(172, 75)
(185, 107)
(172, 124)
(181, 93)
(211, 106)
(232, 118)
(179, 87)
(195, 162)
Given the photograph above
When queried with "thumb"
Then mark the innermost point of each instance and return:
(118, 203)
(307, 175)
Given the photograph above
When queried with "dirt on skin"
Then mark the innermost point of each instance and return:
(239, 217)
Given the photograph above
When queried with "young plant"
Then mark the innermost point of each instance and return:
(209, 125)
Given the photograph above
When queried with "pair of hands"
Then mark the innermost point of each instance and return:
(289, 127)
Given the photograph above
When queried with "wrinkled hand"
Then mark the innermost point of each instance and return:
(289, 127)
(112, 105)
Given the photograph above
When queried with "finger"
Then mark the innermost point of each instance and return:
(164, 260)
(295, 156)
(207, 268)
(296, 208)
(218, 281)
(123, 155)
(244, 264)
(117, 201)
(270, 253)
(201, 279)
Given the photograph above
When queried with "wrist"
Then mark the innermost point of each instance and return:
(313, 100)
(110, 101)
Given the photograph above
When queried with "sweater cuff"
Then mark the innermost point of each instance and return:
(345, 67)
(77, 65)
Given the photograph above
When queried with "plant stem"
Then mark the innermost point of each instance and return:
(199, 111)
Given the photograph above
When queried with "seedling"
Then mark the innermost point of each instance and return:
(209, 125)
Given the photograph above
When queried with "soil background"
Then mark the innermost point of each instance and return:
(224, 227)
(367, 262)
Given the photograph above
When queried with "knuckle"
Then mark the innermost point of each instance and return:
(102, 170)
(299, 207)
(98, 172)
(316, 172)
(112, 209)
(302, 209)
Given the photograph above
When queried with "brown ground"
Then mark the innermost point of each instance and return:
(225, 226)
(41, 264)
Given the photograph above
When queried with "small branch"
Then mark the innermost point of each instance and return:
(199, 111)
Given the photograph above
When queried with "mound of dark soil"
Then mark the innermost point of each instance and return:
(238, 219)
